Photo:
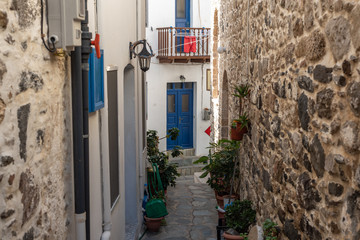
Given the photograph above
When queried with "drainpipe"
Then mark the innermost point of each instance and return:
(78, 153)
(106, 197)
(80, 103)
(85, 53)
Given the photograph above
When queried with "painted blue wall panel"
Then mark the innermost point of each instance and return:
(96, 81)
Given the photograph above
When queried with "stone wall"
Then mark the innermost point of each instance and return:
(300, 162)
(35, 141)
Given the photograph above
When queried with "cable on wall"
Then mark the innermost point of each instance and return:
(53, 48)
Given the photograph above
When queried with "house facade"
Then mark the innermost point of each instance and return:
(178, 82)
(117, 131)
(39, 126)
(299, 164)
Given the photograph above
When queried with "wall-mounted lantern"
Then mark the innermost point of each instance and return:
(144, 56)
(182, 78)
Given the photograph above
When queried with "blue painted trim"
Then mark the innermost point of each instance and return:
(96, 82)
(183, 22)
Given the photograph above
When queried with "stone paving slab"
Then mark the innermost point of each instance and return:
(192, 213)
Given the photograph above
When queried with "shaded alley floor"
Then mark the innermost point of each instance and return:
(192, 213)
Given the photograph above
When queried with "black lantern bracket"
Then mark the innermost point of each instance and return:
(144, 55)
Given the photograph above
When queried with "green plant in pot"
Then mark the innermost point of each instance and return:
(220, 166)
(168, 172)
(240, 125)
(239, 216)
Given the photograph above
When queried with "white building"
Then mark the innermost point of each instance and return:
(43, 137)
(178, 82)
(117, 131)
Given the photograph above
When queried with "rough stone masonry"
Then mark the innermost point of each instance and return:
(300, 164)
(35, 162)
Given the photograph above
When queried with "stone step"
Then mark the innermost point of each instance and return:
(189, 170)
(185, 161)
(197, 178)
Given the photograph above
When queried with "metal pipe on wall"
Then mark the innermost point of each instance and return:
(85, 54)
(78, 153)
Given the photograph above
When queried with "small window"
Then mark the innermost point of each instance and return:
(169, 86)
(188, 85)
(180, 8)
(113, 135)
(171, 103)
(178, 85)
(185, 103)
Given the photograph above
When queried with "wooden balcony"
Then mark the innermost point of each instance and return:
(183, 45)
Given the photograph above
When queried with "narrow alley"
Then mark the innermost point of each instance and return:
(111, 111)
(192, 213)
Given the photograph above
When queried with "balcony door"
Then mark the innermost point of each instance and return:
(180, 113)
(182, 13)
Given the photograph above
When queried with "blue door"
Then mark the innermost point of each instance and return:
(180, 113)
(182, 19)
(182, 13)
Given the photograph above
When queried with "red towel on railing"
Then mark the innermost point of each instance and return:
(189, 44)
(193, 44)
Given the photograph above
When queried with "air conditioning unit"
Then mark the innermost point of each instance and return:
(65, 18)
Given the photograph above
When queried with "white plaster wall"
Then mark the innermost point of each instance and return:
(158, 76)
(201, 11)
(94, 154)
(116, 23)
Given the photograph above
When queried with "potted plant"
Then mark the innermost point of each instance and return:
(153, 224)
(220, 166)
(239, 216)
(271, 230)
(240, 125)
(168, 172)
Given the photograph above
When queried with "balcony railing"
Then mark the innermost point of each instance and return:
(183, 45)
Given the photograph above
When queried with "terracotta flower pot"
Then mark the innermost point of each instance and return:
(232, 198)
(221, 215)
(153, 224)
(232, 237)
(237, 133)
(220, 201)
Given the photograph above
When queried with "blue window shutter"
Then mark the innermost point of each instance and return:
(96, 82)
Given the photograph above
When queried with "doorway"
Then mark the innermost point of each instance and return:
(180, 113)
(182, 13)
(182, 20)
(130, 147)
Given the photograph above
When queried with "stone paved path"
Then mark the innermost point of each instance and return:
(192, 213)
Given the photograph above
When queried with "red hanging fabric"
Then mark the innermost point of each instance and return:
(187, 44)
(193, 44)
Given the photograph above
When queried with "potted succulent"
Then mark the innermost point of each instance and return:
(240, 125)
(239, 216)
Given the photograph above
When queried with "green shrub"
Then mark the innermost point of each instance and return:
(220, 165)
(240, 215)
(270, 230)
(168, 172)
